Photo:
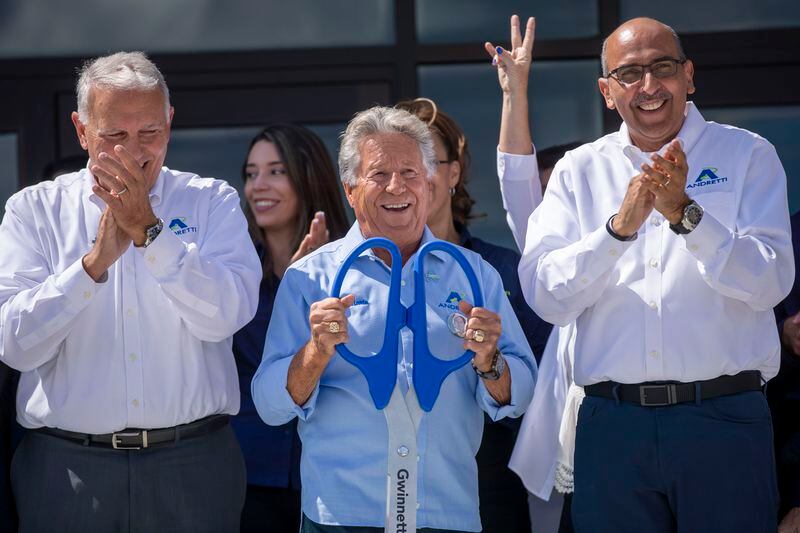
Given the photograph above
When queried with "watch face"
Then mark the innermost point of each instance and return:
(693, 214)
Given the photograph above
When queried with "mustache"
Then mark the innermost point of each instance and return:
(647, 98)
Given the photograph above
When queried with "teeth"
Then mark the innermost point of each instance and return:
(396, 206)
(652, 106)
(265, 203)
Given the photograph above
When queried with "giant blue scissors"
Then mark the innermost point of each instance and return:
(403, 414)
(380, 369)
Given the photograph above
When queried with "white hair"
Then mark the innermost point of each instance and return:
(126, 71)
(376, 120)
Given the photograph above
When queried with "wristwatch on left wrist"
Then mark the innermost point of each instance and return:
(692, 215)
(498, 367)
(151, 232)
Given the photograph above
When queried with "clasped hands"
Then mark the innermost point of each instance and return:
(661, 185)
(120, 181)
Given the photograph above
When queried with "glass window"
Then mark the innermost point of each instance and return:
(716, 15)
(9, 168)
(97, 26)
(565, 107)
(779, 125)
(465, 21)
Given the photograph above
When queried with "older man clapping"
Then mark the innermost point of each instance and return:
(386, 159)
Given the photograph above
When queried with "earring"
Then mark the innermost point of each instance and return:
(452, 191)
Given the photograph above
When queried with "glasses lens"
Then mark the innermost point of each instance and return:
(630, 74)
(663, 69)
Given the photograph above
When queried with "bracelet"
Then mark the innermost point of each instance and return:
(610, 230)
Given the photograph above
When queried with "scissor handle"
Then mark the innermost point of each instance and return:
(379, 369)
(430, 371)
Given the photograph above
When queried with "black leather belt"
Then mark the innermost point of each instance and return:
(135, 439)
(659, 394)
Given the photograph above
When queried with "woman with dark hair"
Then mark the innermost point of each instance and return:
(293, 205)
(503, 499)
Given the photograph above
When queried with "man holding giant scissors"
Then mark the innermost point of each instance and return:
(385, 160)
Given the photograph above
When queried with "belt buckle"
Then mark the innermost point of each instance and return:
(117, 443)
(670, 391)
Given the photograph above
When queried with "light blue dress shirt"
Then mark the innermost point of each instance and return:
(344, 462)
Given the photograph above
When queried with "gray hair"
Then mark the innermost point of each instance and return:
(125, 71)
(376, 120)
(678, 46)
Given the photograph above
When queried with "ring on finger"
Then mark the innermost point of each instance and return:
(479, 335)
(122, 191)
(667, 182)
(333, 327)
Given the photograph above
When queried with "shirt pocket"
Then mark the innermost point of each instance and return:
(720, 205)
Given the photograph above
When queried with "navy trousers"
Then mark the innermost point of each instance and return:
(193, 485)
(682, 468)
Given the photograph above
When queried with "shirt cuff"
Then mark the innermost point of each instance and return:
(163, 255)
(516, 167)
(490, 405)
(77, 285)
(708, 238)
(284, 401)
(601, 251)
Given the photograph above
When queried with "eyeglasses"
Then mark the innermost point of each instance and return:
(630, 74)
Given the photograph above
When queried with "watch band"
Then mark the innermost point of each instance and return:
(497, 370)
(610, 230)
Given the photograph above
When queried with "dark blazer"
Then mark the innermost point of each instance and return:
(7, 390)
(783, 393)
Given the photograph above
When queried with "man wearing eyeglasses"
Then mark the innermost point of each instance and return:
(668, 243)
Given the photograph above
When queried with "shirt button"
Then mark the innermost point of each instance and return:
(654, 263)
(694, 247)
(402, 451)
(135, 403)
(131, 312)
(612, 252)
(403, 282)
(151, 259)
(653, 306)
(655, 221)
(418, 505)
(584, 280)
(133, 358)
(87, 295)
(129, 269)
(654, 354)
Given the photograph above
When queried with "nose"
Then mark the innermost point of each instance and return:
(134, 147)
(397, 184)
(650, 83)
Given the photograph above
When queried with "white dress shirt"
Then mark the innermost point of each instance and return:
(665, 306)
(151, 346)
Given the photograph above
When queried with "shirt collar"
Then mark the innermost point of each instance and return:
(354, 237)
(693, 126)
(156, 191)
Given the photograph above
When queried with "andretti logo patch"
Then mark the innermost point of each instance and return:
(708, 176)
(451, 302)
(179, 226)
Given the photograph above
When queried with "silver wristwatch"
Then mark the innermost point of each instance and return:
(498, 367)
(152, 232)
(692, 215)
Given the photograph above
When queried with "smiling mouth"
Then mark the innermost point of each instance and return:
(263, 205)
(396, 208)
(651, 106)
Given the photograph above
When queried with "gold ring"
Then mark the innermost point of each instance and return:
(333, 327)
(478, 335)
(667, 182)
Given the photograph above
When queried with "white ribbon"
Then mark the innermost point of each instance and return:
(403, 416)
